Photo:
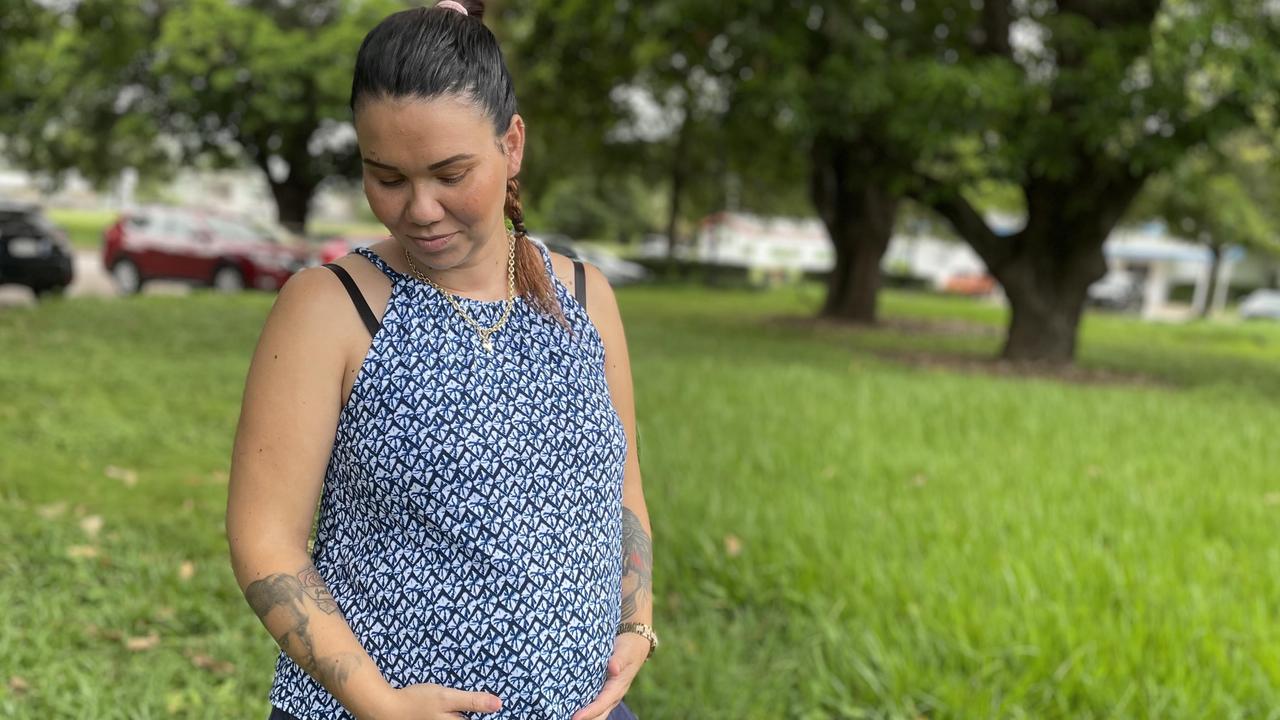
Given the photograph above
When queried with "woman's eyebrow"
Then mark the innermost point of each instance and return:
(433, 167)
(450, 161)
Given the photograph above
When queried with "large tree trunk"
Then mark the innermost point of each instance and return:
(1215, 264)
(293, 203)
(1047, 269)
(1046, 301)
(859, 213)
(678, 173)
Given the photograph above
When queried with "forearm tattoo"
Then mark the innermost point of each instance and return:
(285, 596)
(637, 564)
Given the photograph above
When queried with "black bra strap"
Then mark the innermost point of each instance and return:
(579, 283)
(362, 307)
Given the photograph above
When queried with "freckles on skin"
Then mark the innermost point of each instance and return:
(412, 135)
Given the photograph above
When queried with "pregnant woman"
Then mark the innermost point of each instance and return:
(457, 401)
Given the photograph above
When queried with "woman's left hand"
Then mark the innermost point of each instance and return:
(629, 653)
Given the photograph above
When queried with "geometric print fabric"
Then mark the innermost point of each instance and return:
(470, 520)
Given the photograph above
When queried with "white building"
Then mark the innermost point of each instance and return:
(1157, 260)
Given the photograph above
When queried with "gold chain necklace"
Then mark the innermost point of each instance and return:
(485, 333)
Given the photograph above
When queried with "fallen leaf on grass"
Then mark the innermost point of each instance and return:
(213, 665)
(51, 511)
(920, 480)
(19, 685)
(164, 613)
(186, 570)
(139, 644)
(188, 505)
(94, 632)
(1271, 498)
(82, 551)
(732, 545)
(91, 525)
(124, 475)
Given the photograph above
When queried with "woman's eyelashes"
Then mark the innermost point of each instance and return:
(446, 179)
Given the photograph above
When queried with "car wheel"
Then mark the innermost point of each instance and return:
(127, 277)
(228, 279)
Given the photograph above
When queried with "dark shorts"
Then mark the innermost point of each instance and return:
(622, 712)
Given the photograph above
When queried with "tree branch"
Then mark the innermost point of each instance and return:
(995, 29)
(1112, 13)
(947, 201)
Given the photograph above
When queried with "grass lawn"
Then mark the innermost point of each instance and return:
(84, 227)
(845, 526)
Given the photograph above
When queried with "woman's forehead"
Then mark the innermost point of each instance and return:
(417, 132)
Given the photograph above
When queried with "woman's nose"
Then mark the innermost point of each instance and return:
(424, 208)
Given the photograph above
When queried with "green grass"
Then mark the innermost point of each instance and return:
(83, 227)
(836, 534)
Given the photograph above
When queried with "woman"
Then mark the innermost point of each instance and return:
(483, 546)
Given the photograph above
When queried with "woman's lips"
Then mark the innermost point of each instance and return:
(432, 243)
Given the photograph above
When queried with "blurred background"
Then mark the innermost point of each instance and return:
(955, 334)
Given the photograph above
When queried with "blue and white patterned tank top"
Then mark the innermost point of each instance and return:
(470, 520)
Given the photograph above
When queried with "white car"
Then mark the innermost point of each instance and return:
(618, 270)
(1118, 290)
(1261, 304)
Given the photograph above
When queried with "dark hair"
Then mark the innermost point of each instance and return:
(429, 52)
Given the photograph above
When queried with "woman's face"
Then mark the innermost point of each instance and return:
(436, 176)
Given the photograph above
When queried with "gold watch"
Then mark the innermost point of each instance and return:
(645, 631)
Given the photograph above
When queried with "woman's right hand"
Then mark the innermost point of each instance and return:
(426, 701)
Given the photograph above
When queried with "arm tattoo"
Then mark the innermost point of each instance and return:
(315, 587)
(637, 563)
(283, 595)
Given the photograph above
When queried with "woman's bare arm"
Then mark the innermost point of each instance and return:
(285, 435)
(637, 542)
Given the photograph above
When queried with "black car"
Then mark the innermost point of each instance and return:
(33, 252)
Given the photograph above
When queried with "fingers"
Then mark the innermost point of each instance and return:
(610, 695)
(463, 700)
(605, 715)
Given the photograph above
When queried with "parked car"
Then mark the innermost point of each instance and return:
(33, 251)
(1261, 304)
(1117, 290)
(199, 247)
(338, 245)
(563, 244)
(971, 284)
(618, 270)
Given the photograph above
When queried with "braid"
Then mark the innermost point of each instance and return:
(532, 279)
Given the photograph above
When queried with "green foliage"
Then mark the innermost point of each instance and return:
(265, 76)
(78, 84)
(1220, 196)
(109, 85)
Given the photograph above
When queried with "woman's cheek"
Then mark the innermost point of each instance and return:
(380, 202)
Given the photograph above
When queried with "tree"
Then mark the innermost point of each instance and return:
(1112, 92)
(76, 81)
(1219, 196)
(268, 82)
(108, 85)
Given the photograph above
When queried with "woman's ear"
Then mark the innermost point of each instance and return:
(513, 146)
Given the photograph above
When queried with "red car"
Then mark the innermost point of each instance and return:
(339, 245)
(199, 247)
